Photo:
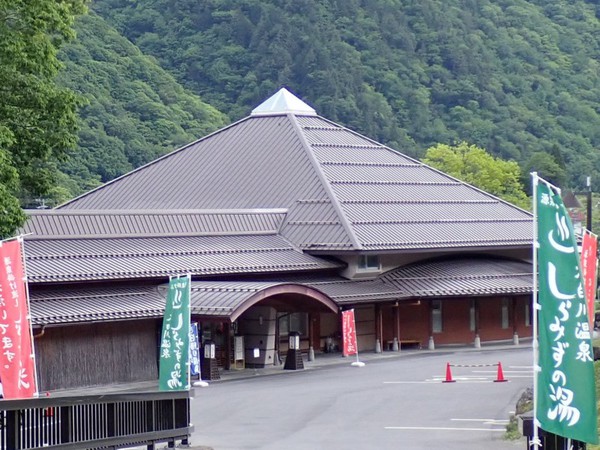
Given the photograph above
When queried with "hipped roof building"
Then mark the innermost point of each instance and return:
(282, 201)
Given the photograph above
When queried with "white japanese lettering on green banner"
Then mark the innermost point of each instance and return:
(566, 402)
(175, 337)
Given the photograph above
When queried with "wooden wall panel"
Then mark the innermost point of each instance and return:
(97, 354)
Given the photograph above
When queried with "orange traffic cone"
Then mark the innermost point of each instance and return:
(500, 377)
(448, 375)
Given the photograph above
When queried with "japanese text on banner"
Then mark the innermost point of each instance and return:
(566, 404)
(175, 337)
(349, 333)
(17, 362)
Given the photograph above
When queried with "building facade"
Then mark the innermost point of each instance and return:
(283, 219)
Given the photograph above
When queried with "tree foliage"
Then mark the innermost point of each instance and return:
(514, 77)
(135, 111)
(546, 167)
(477, 167)
(37, 117)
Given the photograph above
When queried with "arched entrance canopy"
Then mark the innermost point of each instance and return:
(232, 299)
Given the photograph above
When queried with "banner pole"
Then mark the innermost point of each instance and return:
(35, 376)
(535, 443)
(189, 321)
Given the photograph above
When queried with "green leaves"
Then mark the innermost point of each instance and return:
(37, 117)
(475, 166)
(135, 110)
(514, 78)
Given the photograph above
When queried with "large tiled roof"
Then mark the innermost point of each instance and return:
(227, 298)
(129, 258)
(83, 304)
(342, 191)
(463, 277)
(393, 202)
(222, 298)
(81, 224)
(208, 298)
(457, 278)
(453, 277)
(69, 246)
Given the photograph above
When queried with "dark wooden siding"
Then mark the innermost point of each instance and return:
(97, 354)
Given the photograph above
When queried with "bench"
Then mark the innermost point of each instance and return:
(411, 343)
(404, 343)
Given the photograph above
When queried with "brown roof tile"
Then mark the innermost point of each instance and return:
(67, 260)
(332, 181)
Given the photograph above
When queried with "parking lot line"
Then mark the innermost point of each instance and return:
(484, 421)
(502, 430)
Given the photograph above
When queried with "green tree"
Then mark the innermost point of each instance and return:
(37, 117)
(546, 167)
(513, 77)
(135, 110)
(475, 166)
(11, 215)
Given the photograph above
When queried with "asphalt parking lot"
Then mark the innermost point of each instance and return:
(396, 401)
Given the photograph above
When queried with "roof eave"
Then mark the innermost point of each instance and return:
(323, 251)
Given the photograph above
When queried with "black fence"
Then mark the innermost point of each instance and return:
(109, 421)
(549, 441)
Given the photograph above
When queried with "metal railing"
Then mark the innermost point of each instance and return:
(96, 421)
(549, 441)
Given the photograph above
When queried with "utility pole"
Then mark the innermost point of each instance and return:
(589, 203)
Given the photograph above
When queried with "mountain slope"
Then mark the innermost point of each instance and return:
(136, 111)
(512, 76)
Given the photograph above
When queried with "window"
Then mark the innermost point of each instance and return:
(505, 309)
(368, 262)
(527, 315)
(472, 316)
(436, 316)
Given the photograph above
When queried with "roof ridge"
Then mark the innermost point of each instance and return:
(368, 164)
(464, 277)
(325, 183)
(153, 254)
(327, 144)
(148, 212)
(141, 235)
(88, 295)
(124, 274)
(427, 244)
(398, 183)
(373, 222)
(418, 202)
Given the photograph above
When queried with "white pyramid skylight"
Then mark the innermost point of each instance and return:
(283, 102)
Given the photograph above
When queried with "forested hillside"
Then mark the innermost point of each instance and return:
(518, 78)
(135, 111)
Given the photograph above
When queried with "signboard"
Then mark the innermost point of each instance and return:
(349, 333)
(589, 267)
(239, 348)
(175, 337)
(17, 360)
(566, 401)
(194, 350)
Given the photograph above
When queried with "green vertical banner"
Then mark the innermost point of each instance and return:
(566, 398)
(175, 337)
